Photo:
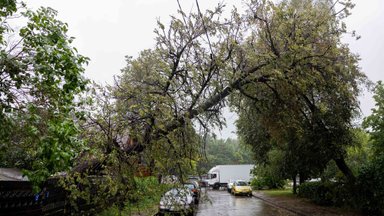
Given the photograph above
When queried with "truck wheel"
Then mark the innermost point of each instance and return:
(216, 186)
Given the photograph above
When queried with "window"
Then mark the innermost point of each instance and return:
(241, 183)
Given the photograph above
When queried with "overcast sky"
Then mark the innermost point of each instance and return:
(106, 31)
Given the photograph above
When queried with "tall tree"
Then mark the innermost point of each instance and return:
(287, 58)
(310, 97)
(40, 73)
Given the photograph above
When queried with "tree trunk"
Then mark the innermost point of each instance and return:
(151, 167)
(294, 185)
(302, 178)
(343, 167)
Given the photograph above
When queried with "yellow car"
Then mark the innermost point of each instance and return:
(241, 188)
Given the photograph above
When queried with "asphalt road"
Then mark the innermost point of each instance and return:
(223, 203)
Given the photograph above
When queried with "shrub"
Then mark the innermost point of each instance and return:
(370, 188)
(316, 191)
(143, 199)
(257, 184)
(326, 193)
(367, 194)
(267, 183)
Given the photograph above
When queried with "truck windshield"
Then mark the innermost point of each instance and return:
(212, 175)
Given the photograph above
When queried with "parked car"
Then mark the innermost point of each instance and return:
(193, 178)
(200, 181)
(177, 200)
(241, 187)
(170, 179)
(194, 187)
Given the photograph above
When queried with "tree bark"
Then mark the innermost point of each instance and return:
(294, 185)
(302, 178)
(343, 167)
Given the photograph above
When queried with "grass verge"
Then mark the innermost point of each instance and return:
(279, 192)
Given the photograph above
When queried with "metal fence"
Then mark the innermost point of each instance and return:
(17, 198)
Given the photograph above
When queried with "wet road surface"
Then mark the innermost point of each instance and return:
(223, 203)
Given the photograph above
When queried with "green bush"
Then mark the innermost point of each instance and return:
(326, 193)
(315, 191)
(257, 184)
(144, 199)
(367, 195)
(267, 183)
(370, 188)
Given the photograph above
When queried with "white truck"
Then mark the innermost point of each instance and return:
(221, 175)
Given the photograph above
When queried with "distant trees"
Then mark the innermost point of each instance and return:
(221, 152)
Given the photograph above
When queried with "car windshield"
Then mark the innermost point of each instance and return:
(189, 186)
(241, 183)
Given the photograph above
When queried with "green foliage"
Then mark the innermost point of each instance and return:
(294, 76)
(366, 160)
(370, 187)
(41, 76)
(326, 193)
(144, 199)
(7, 8)
(267, 182)
(307, 100)
(280, 193)
(316, 191)
(370, 180)
(375, 122)
(222, 152)
(366, 195)
(360, 151)
(270, 175)
(357, 155)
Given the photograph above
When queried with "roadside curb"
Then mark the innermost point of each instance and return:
(278, 206)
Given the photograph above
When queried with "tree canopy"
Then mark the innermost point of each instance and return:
(41, 73)
(283, 60)
(281, 66)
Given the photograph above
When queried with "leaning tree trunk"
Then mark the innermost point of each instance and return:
(343, 167)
